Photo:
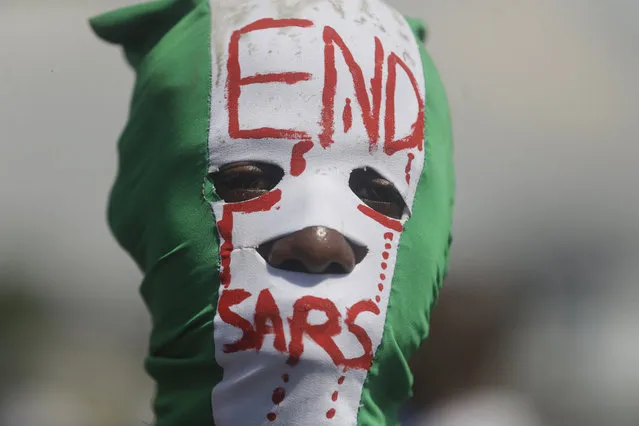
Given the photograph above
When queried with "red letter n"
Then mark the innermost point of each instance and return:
(370, 113)
(235, 81)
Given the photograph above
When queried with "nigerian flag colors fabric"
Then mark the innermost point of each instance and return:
(318, 88)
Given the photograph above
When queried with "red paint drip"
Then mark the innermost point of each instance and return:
(382, 277)
(330, 413)
(411, 157)
(385, 255)
(389, 236)
(378, 299)
(386, 221)
(298, 162)
(347, 116)
(384, 265)
(380, 287)
(278, 396)
(225, 226)
(388, 246)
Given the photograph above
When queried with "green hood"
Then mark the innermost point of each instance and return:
(159, 211)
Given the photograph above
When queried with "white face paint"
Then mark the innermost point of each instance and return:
(319, 88)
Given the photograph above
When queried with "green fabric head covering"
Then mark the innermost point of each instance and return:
(160, 212)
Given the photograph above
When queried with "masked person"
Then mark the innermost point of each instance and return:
(286, 186)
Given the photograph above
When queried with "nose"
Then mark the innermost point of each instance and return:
(314, 250)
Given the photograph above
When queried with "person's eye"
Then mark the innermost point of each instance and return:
(377, 193)
(243, 181)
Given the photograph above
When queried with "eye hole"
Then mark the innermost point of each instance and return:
(243, 181)
(377, 193)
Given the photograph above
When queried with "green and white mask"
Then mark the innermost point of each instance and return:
(320, 90)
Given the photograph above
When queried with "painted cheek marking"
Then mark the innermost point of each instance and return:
(386, 221)
(225, 227)
(298, 162)
(385, 255)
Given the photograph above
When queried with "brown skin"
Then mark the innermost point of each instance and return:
(317, 249)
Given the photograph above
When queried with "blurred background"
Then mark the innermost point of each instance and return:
(538, 323)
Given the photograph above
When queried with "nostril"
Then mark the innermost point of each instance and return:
(336, 269)
(359, 251)
(313, 250)
(292, 265)
(295, 265)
